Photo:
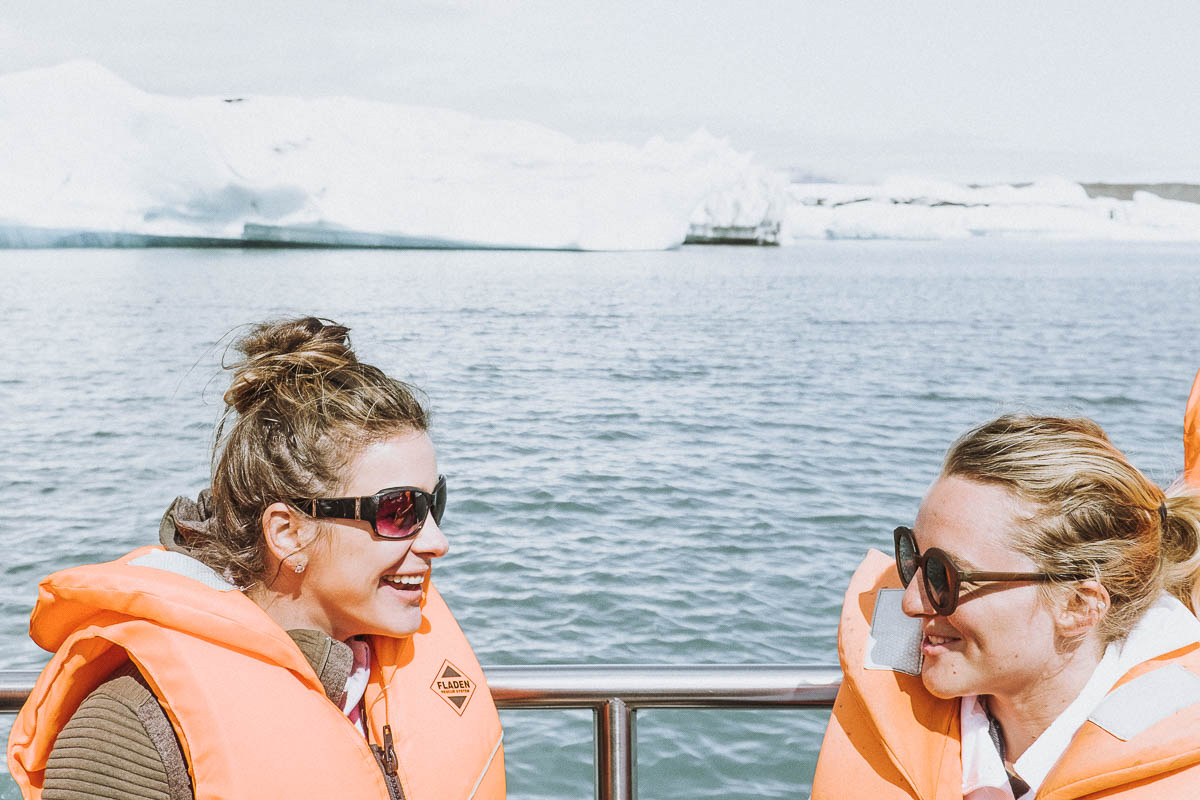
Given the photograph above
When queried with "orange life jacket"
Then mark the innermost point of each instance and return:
(250, 714)
(1191, 436)
(889, 739)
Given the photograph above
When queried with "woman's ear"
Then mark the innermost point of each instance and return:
(1086, 606)
(285, 536)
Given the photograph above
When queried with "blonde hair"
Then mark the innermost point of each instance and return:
(1094, 513)
(299, 409)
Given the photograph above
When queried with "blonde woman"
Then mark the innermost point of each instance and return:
(1033, 635)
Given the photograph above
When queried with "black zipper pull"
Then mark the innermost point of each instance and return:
(390, 762)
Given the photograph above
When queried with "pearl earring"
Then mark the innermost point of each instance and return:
(299, 566)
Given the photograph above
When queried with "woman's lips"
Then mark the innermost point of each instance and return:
(932, 643)
(405, 583)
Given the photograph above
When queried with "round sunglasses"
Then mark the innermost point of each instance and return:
(943, 579)
(396, 513)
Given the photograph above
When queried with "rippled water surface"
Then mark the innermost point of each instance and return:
(653, 457)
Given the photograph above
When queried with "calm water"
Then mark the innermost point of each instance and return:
(654, 457)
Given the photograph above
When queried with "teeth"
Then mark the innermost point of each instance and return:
(938, 639)
(405, 580)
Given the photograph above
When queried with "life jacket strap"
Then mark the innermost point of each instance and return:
(188, 567)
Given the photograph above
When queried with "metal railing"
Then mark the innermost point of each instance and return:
(614, 693)
(15, 686)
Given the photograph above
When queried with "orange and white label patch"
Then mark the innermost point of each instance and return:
(453, 686)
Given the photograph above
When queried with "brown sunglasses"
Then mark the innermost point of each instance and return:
(943, 579)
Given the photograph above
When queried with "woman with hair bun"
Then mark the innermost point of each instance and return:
(1034, 635)
(285, 640)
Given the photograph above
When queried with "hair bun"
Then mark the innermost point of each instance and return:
(284, 353)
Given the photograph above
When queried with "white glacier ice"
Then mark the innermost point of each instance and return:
(88, 160)
(919, 208)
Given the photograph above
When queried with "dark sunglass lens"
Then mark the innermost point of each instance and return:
(906, 556)
(399, 517)
(937, 581)
(439, 501)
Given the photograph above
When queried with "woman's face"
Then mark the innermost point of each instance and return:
(1000, 640)
(351, 585)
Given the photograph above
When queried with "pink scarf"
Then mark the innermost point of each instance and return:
(356, 683)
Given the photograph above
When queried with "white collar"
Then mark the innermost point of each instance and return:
(1166, 626)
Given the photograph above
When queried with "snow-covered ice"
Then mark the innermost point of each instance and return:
(82, 150)
(917, 208)
(88, 160)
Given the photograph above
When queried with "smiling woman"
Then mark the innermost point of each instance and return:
(1034, 635)
(269, 646)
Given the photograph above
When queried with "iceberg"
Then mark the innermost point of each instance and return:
(920, 208)
(86, 159)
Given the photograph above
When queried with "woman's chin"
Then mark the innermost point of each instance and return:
(401, 628)
(397, 623)
(942, 686)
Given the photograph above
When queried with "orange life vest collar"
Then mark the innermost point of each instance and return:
(1191, 436)
(889, 738)
(212, 656)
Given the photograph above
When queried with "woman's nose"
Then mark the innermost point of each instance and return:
(915, 603)
(431, 540)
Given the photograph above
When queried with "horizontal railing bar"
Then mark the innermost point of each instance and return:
(15, 686)
(659, 686)
(591, 686)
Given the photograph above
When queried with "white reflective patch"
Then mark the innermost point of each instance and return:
(895, 639)
(1147, 700)
(183, 565)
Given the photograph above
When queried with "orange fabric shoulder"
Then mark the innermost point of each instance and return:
(1191, 436)
(212, 656)
(1159, 762)
(888, 738)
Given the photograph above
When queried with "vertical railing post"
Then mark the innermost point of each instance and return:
(616, 751)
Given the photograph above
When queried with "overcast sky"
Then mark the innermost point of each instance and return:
(843, 88)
